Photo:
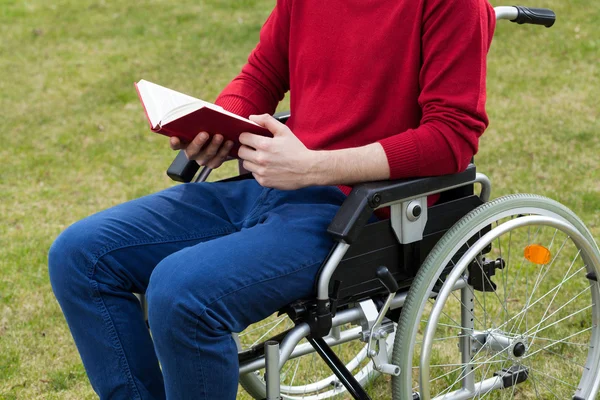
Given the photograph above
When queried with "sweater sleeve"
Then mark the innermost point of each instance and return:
(264, 80)
(455, 39)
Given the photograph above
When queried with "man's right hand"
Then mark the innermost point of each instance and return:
(205, 151)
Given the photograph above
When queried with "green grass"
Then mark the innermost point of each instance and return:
(75, 140)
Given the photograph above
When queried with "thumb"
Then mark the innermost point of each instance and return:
(267, 121)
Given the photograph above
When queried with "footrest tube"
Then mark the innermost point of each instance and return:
(513, 375)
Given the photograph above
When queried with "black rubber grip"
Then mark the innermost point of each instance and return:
(387, 279)
(182, 169)
(535, 16)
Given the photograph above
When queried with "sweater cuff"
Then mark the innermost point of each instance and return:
(237, 105)
(402, 154)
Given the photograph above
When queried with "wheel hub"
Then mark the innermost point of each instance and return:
(497, 341)
(519, 349)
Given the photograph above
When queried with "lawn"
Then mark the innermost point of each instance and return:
(75, 140)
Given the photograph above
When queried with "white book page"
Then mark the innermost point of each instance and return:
(189, 108)
(165, 105)
(160, 101)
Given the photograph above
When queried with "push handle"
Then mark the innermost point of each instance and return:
(535, 16)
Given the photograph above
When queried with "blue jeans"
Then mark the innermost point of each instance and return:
(212, 259)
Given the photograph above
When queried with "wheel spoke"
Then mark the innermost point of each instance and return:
(556, 293)
(461, 364)
(490, 282)
(538, 300)
(479, 365)
(505, 275)
(566, 342)
(537, 326)
(537, 393)
(446, 338)
(542, 383)
(267, 332)
(514, 283)
(446, 325)
(259, 327)
(538, 282)
(564, 358)
(552, 377)
(295, 372)
(558, 342)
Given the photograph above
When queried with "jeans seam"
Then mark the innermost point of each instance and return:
(100, 302)
(258, 204)
(199, 354)
(132, 243)
(304, 266)
(198, 351)
(115, 338)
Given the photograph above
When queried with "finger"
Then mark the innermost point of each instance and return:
(175, 143)
(221, 156)
(267, 121)
(195, 146)
(248, 153)
(255, 141)
(251, 167)
(211, 149)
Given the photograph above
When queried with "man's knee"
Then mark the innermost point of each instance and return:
(177, 301)
(65, 259)
(69, 258)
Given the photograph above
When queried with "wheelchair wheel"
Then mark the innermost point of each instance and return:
(504, 306)
(307, 376)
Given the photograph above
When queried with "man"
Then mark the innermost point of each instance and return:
(379, 90)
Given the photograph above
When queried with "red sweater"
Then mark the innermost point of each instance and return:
(407, 74)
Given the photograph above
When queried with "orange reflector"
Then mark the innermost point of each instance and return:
(537, 254)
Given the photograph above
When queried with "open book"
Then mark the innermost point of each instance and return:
(176, 114)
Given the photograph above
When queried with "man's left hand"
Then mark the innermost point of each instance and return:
(281, 162)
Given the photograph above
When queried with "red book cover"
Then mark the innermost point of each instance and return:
(208, 120)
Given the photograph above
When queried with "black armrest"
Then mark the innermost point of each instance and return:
(183, 170)
(366, 197)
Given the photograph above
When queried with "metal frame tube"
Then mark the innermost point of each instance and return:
(468, 324)
(327, 272)
(376, 326)
(272, 378)
(486, 186)
(289, 348)
(506, 12)
(339, 369)
(203, 175)
(479, 389)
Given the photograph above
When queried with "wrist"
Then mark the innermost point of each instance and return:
(317, 171)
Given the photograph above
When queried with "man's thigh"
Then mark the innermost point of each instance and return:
(121, 246)
(239, 279)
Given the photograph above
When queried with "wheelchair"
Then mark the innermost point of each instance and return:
(468, 298)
